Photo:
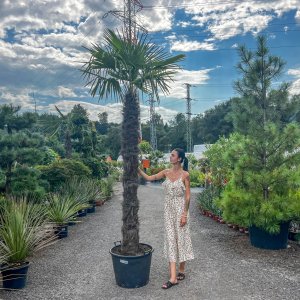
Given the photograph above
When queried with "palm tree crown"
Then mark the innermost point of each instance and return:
(121, 64)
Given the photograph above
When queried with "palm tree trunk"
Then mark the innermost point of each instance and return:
(130, 134)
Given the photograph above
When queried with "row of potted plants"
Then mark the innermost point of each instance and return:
(294, 228)
(218, 218)
(208, 201)
(26, 227)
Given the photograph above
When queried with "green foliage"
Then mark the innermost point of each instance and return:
(21, 231)
(155, 156)
(145, 147)
(50, 156)
(177, 132)
(121, 63)
(223, 156)
(106, 187)
(113, 141)
(2, 179)
(26, 181)
(59, 171)
(19, 149)
(11, 121)
(62, 208)
(98, 167)
(207, 199)
(82, 190)
(197, 178)
(209, 126)
(265, 164)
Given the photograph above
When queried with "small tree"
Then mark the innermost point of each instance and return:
(266, 175)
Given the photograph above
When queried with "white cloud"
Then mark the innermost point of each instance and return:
(178, 89)
(187, 46)
(65, 92)
(228, 19)
(23, 99)
(297, 16)
(295, 88)
(114, 110)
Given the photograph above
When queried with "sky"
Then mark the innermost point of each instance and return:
(41, 49)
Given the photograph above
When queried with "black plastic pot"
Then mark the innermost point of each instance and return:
(132, 271)
(15, 277)
(61, 231)
(293, 235)
(91, 209)
(261, 239)
(82, 213)
(71, 223)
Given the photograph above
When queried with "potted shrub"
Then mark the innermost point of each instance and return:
(90, 191)
(262, 192)
(62, 209)
(121, 67)
(21, 234)
(77, 188)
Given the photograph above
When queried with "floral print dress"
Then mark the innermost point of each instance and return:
(177, 241)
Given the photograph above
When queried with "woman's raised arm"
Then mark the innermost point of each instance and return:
(157, 176)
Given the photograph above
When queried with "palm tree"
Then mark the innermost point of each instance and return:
(121, 68)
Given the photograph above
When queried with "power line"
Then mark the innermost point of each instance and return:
(224, 35)
(206, 4)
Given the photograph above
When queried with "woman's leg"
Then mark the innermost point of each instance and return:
(181, 275)
(182, 267)
(172, 266)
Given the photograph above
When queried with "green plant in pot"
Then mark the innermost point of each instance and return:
(121, 68)
(22, 233)
(262, 191)
(106, 185)
(62, 209)
(77, 188)
(92, 191)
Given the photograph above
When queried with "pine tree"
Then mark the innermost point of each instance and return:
(266, 174)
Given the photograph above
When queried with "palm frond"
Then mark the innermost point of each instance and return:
(120, 63)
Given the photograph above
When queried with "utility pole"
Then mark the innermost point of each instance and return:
(128, 17)
(188, 121)
(130, 25)
(34, 102)
(153, 139)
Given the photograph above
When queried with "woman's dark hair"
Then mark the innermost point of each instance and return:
(183, 159)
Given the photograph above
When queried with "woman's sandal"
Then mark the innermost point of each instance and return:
(180, 276)
(168, 285)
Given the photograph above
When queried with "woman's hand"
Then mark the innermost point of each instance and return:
(183, 220)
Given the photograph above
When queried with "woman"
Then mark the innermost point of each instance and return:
(177, 244)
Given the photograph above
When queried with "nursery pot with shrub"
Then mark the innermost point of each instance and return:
(123, 67)
(262, 192)
(21, 234)
(61, 210)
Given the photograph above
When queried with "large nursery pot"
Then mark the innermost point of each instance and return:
(262, 239)
(131, 271)
(15, 277)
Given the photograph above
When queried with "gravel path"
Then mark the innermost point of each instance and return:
(226, 265)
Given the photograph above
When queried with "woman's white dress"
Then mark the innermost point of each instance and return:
(177, 241)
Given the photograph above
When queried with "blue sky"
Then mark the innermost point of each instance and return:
(41, 48)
